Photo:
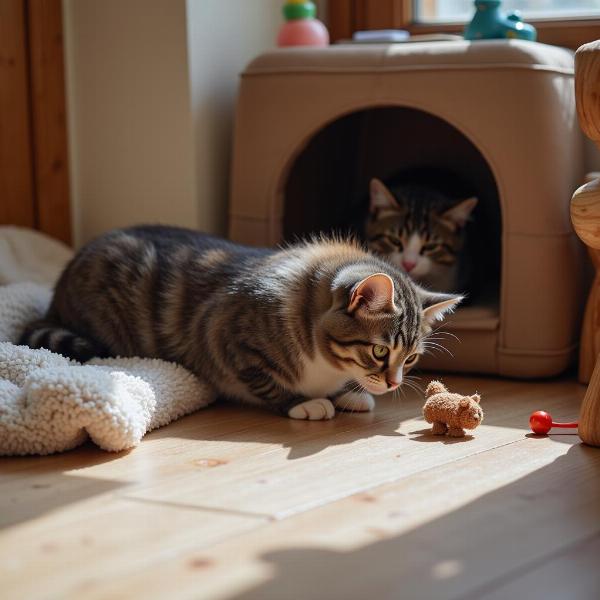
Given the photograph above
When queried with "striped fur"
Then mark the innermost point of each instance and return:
(262, 326)
(422, 231)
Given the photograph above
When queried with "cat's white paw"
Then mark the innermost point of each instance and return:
(318, 409)
(355, 402)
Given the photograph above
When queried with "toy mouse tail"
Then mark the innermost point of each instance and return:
(435, 387)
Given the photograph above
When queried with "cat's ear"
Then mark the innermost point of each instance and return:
(381, 197)
(375, 293)
(437, 306)
(459, 214)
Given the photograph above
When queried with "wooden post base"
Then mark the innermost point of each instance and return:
(585, 214)
(589, 347)
(589, 418)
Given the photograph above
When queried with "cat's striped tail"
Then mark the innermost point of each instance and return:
(52, 336)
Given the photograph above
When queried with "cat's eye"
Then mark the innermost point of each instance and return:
(430, 247)
(411, 360)
(380, 352)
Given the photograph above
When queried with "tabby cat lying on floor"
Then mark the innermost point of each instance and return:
(422, 231)
(298, 330)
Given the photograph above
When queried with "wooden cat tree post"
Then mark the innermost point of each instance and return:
(585, 214)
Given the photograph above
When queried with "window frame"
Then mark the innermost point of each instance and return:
(347, 16)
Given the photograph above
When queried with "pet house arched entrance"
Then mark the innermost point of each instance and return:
(325, 187)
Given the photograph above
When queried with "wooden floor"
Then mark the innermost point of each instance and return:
(240, 504)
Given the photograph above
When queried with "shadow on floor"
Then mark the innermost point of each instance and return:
(231, 423)
(228, 422)
(32, 486)
(468, 553)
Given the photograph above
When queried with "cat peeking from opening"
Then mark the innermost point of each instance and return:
(422, 231)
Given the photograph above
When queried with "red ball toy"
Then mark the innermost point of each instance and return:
(541, 423)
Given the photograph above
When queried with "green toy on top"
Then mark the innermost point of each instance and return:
(489, 22)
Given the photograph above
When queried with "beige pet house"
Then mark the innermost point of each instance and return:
(314, 125)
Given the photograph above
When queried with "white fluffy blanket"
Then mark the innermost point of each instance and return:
(28, 255)
(49, 403)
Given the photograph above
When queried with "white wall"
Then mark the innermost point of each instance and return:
(151, 88)
(131, 143)
(223, 36)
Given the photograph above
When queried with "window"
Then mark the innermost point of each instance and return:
(447, 11)
(568, 23)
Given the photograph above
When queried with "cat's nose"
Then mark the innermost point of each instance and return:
(408, 265)
(392, 384)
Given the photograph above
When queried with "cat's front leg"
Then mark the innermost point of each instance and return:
(317, 409)
(355, 402)
(265, 388)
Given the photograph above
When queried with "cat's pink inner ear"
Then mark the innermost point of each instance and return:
(459, 215)
(381, 197)
(375, 292)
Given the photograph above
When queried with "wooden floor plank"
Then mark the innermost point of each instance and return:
(573, 573)
(449, 532)
(327, 461)
(69, 552)
(237, 503)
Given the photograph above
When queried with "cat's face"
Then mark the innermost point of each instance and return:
(417, 231)
(376, 332)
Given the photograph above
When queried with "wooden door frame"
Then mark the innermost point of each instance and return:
(49, 118)
(347, 16)
(32, 70)
(16, 184)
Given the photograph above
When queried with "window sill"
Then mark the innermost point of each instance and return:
(569, 33)
(347, 16)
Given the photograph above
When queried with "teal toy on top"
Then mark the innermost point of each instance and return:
(490, 22)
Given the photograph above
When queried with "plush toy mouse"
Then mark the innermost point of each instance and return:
(451, 413)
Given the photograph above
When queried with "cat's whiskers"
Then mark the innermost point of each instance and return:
(414, 387)
(428, 344)
(357, 387)
(396, 394)
(440, 331)
(441, 338)
(433, 341)
(400, 391)
(435, 345)
(413, 379)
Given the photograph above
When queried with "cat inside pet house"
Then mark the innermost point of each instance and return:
(419, 222)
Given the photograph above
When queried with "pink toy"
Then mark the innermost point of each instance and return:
(301, 28)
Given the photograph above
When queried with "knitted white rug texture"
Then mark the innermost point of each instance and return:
(49, 403)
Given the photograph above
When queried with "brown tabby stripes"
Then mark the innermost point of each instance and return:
(250, 322)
